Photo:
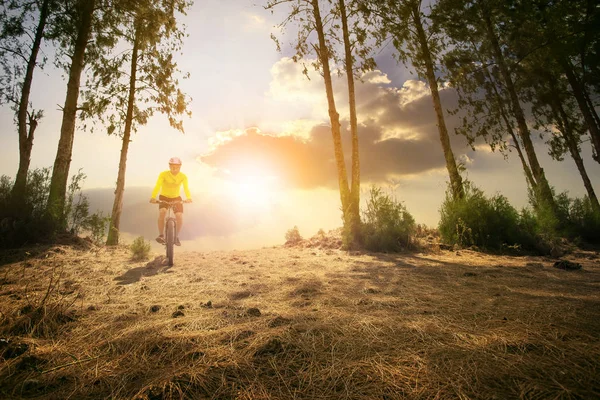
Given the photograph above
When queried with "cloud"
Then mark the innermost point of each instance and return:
(398, 134)
(309, 163)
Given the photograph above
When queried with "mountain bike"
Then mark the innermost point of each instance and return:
(170, 229)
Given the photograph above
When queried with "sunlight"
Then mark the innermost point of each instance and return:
(254, 192)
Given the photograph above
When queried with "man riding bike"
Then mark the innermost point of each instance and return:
(169, 184)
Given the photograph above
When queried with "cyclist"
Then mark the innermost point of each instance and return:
(169, 184)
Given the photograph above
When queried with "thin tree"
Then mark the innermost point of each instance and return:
(555, 113)
(19, 58)
(309, 16)
(360, 35)
(474, 21)
(76, 36)
(416, 42)
(115, 95)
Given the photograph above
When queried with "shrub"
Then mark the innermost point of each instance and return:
(26, 222)
(575, 219)
(476, 220)
(583, 222)
(293, 236)
(387, 225)
(97, 227)
(140, 249)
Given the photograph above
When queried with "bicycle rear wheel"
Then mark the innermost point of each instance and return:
(170, 236)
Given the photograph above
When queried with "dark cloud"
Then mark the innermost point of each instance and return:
(398, 135)
(310, 163)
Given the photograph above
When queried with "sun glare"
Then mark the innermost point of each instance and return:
(255, 192)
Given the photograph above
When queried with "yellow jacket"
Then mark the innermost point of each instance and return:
(169, 185)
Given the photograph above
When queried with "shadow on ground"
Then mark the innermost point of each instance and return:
(157, 266)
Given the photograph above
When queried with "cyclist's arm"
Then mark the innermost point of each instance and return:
(186, 189)
(157, 187)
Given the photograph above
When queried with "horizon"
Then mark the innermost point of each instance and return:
(258, 151)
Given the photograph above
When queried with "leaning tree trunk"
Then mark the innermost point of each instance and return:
(26, 135)
(334, 117)
(532, 184)
(544, 193)
(115, 219)
(566, 128)
(355, 185)
(62, 163)
(578, 93)
(455, 178)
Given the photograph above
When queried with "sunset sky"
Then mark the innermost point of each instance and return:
(258, 150)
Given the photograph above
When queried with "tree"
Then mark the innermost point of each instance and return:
(572, 31)
(555, 112)
(308, 14)
(416, 42)
(349, 61)
(474, 27)
(145, 75)
(19, 58)
(75, 37)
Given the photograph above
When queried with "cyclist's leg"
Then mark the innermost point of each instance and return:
(161, 220)
(178, 209)
(179, 218)
(162, 212)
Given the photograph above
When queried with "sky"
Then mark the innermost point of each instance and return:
(258, 150)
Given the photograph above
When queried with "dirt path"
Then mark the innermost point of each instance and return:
(300, 323)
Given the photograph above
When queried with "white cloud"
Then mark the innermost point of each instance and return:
(376, 77)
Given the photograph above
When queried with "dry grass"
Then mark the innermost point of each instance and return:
(298, 323)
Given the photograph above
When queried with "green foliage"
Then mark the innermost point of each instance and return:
(476, 220)
(140, 249)
(76, 211)
(582, 221)
(27, 223)
(24, 222)
(387, 225)
(96, 225)
(293, 236)
(153, 35)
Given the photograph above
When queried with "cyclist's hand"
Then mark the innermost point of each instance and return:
(153, 200)
(187, 201)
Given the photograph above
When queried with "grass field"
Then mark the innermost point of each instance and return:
(85, 322)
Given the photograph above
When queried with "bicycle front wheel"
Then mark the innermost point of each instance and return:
(170, 240)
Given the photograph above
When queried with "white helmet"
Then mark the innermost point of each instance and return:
(175, 160)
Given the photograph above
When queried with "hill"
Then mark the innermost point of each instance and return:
(86, 322)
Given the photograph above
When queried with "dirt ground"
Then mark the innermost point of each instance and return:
(307, 322)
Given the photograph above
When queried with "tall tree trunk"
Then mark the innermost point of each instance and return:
(355, 185)
(455, 178)
(62, 163)
(26, 135)
(115, 219)
(579, 94)
(566, 130)
(334, 117)
(531, 183)
(544, 193)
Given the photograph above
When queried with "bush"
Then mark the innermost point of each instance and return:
(583, 222)
(293, 236)
(476, 220)
(575, 219)
(387, 225)
(140, 249)
(26, 222)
